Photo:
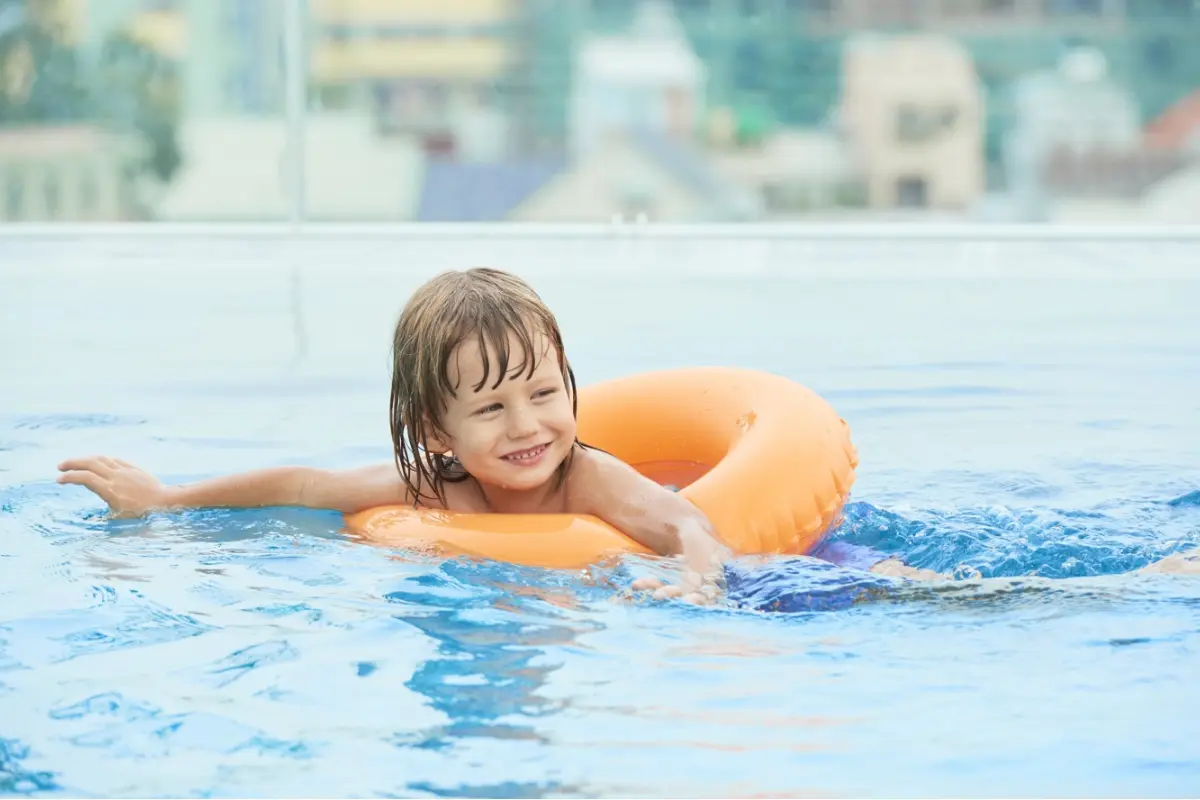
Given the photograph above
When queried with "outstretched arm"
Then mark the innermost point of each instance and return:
(132, 492)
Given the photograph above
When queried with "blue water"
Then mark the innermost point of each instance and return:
(1027, 411)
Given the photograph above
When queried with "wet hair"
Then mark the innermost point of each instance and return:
(488, 306)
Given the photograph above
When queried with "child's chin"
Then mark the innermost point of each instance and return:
(529, 478)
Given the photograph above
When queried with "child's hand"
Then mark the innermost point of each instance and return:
(668, 591)
(698, 590)
(703, 564)
(128, 490)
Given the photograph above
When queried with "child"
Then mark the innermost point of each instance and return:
(483, 420)
(483, 409)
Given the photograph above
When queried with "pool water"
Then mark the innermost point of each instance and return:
(1030, 411)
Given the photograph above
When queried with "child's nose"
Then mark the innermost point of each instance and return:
(522, 422)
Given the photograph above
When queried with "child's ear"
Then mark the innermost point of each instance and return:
(433, 442)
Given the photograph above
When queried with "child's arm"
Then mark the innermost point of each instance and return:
(658, 518)
(132, 492)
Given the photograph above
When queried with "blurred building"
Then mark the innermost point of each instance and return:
(638, 174)
(464, 191)
(236, 170)
(231, 51)
(1070, 113)
(64, 173)
(779, 59)
(1078, 149)
(1177, 128)
(912, 112)
(415, 60)
(635, 115)
(437, 71)
(646, 77)
(797, 172)
(1175, 199)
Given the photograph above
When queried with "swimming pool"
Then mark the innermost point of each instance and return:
(1022, 408)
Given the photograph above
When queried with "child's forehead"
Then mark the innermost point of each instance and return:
(469, 365)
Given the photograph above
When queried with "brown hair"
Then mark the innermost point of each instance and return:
(484, 303)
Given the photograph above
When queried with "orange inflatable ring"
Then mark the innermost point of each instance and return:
(766, 459)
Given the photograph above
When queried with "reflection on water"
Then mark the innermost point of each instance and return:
(487, 672)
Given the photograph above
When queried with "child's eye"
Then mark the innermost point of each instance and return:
(489, 409)
(545, 392)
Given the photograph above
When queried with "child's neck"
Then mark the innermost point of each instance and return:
(548, 498)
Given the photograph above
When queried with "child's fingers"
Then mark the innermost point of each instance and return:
(667, 592)
(97, 464)
(87, 479)
(644, 584)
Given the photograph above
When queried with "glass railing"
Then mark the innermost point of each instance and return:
(600, 111)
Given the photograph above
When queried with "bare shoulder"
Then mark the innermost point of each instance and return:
(598, 479)
(606, 487)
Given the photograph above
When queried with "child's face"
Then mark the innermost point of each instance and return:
(516, 435)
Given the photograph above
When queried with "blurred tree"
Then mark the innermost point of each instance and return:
(139, 90)
(132, 89)
(40, 79)
(755, 122)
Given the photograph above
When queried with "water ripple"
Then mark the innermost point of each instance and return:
(15, 779)
(1191, 499)
(72, 422)
(125, 622)
(472, 662)
(240, 662)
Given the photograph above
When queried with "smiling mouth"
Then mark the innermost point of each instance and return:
(526, 455)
